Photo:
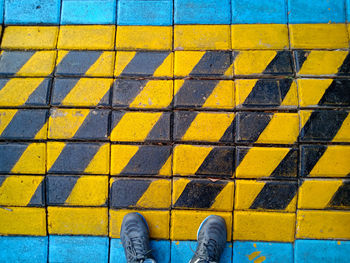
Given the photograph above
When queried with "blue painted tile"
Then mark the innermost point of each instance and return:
(23, 249)
(88, 12)
(160, 251)
(202, 12)
(325, 251)
(182, 251)
(78, 249)
(347, 10)
(1, 11)
(316, 11)
(140, 12)
(262, 11)
(261, 251)
(32, 11)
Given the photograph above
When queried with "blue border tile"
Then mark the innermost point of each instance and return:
(78, 249)
(100, 12)
(23, 249)
(325, 251)
(32, 11)
(262, 11)
(138, 12)
(316, 11)
(202, 12)
(249, 251)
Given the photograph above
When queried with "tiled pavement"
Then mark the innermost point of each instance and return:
(179, 111)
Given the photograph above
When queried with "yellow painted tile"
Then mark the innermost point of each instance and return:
(19, 190)
(317, 194)
(136, 126)
(311, 91)
(64, 123)
(59, 158)
(262, 162)
(201, 37)
(144, 38)
(263, 226)
(323, 225)
(317, 36)
(94, 37)
(30, 37)
(322, 62)
(32, 160)
(22, 221)
(40, 64)
(158, 222)
(185, 223)
(89, 191)
(203, 194)
(249, 195)
(77, 221)
(273, 132)
(140, 160)
(17, 91)
(338, 156)
(256, 36)
(263, 96)
(206, 126)
(156, 94)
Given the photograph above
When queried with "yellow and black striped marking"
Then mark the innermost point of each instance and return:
(140, 126)
(203, 126)
(77, 158)
(315, 160)
(142, 94)
(27, 63)
(77, 190)
(85, 63)
(325, 125)
(260, 162)
(141, 160)
(209, 64)
(192, 160)
(25, 190)
(78, 124)
(324, 194)
(81, 92)
(24, 92)
(211, 94)
(23, 124)
(23, 158)
(266, 195)
(203, 194)
(133, 64)
(263, 63)
(266, 93)
(324, 92)
(322, 63)
(140, 193)
(264, 127)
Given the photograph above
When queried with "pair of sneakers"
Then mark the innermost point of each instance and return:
(211, 239)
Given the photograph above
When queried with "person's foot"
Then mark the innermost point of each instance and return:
(211, 240)
(135, 238)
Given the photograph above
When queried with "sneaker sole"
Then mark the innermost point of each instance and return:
(200, 227)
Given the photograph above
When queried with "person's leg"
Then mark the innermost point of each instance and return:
(211, 240)
(135, 239)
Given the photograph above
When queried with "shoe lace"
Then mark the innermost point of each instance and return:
(208, 251)
(135, 250)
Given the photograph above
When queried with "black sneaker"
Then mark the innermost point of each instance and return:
(135, 238)
(211, 240)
